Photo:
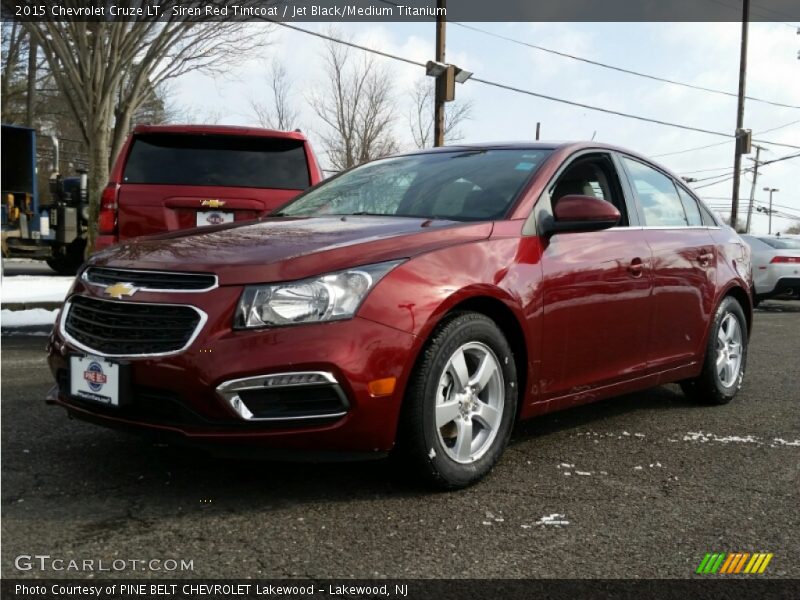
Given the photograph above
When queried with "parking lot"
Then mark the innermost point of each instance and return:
(638, 487)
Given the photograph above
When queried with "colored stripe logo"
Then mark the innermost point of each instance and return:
(732, 563)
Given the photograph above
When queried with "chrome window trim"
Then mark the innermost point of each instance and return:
(228, 392)
(73, 342)
(85, 279)
(661, 227)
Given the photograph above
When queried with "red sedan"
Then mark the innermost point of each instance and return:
(420, 304)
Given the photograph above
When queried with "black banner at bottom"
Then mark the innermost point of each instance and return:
(413, 589)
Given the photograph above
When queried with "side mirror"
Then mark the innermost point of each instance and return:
(574, 212)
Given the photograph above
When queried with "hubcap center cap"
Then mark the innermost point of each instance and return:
(468, 402)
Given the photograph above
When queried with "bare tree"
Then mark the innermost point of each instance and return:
(420, 117)
(281, 114)
(12, 88)
(793, 229)
(355, 103)
(107, 69)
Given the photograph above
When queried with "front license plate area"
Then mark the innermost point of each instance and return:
(97, 379)
(213, 217)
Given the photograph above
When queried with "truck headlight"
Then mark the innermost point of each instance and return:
(325, 298)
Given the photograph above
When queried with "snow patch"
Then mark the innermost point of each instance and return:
(553, 520)
(35, 288)
(782, 442)
(699, 436)
(24, 318)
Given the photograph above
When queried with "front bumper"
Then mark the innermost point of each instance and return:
(187, 395)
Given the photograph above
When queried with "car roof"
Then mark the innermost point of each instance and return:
(522, 145)
(567, 146)
(219, 130)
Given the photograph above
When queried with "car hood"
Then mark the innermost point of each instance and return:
(281, 249)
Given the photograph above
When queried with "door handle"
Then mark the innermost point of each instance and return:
(636, 268)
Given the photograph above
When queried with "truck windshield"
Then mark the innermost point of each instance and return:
(216, 160)
(462, 185)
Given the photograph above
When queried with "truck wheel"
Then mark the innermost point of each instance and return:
(70, 261)
(461, 402)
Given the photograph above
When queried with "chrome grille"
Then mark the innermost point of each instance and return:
(130, 329)
(152, 280)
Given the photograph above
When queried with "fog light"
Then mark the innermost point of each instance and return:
(382, 387)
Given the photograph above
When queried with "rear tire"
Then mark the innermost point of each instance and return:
(725, 358)
(70, 261)
(460, 404)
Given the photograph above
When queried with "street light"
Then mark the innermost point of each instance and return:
(770, 190)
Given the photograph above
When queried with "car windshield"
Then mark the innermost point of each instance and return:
(782, 243)
(463, 185)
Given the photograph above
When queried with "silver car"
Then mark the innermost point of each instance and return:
(776, 265)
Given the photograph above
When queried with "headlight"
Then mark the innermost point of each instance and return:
(324, 298)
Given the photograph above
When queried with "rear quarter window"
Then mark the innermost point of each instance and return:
(658, 198)
(214, 160)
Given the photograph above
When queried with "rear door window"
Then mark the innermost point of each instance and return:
(215, 160)
(693, 216)
(661, 205)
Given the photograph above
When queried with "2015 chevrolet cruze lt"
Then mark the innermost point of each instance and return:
(420, 303)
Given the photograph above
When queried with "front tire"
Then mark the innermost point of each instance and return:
(461, 401)
(725, 359)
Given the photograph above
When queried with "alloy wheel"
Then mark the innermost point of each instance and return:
(729, 350)
(469, 402)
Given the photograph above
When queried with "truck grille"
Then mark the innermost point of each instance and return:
(151, 280)
(126, 328)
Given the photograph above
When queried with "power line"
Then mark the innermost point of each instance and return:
(699, 187)
(524, 91)
(774, 160)
(755, 201)
(597, 108)
(727, 168)
(618, 69)
(722, 143)
(608, 66)
(692, 149)
(728, 176)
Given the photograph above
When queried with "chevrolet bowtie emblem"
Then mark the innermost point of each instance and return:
(213, 203)
(118, 290)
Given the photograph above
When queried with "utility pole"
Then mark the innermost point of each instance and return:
(770, 190)
(440, 93)
(756, 164)
(740, 133)
(538, 125)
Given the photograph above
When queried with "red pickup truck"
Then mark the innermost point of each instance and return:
(170, 177)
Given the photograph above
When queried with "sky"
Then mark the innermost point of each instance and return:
(704, 54)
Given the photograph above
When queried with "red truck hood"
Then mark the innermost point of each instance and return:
(282, 249)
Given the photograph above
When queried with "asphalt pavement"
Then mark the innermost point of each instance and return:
(640, 486)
